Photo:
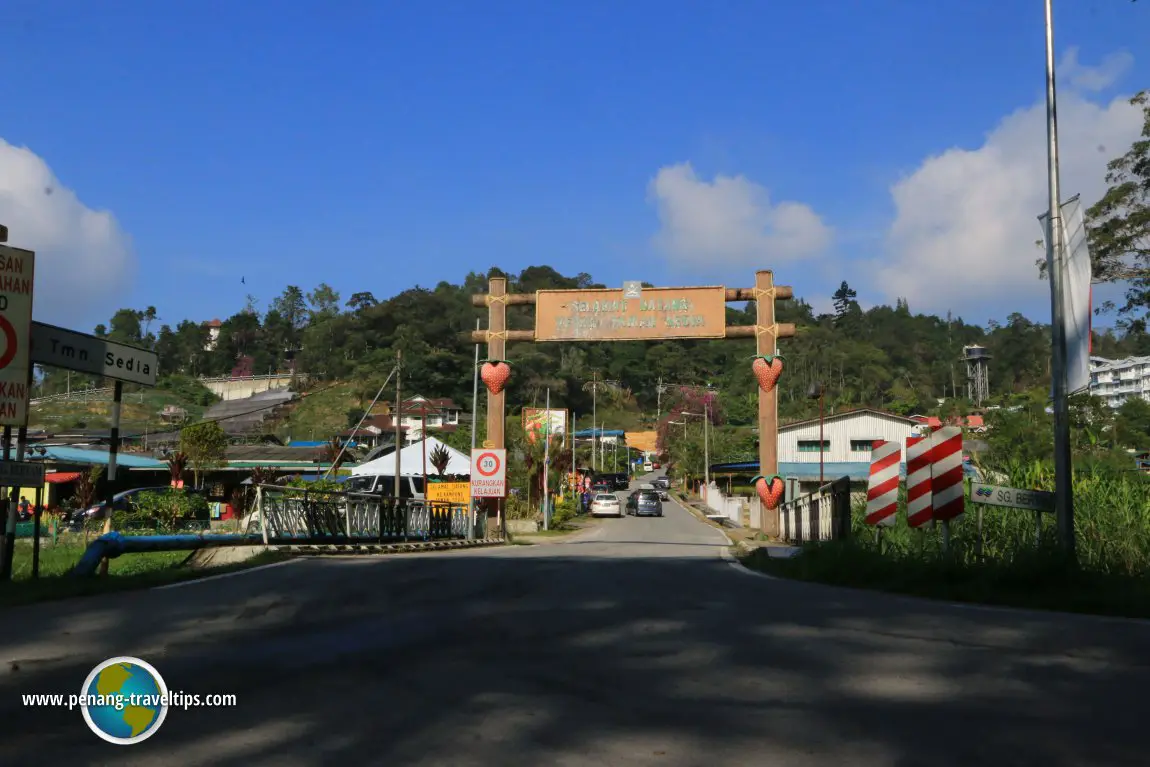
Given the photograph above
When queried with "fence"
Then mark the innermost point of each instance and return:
(731, 509)
(301, 515)
(822, 515)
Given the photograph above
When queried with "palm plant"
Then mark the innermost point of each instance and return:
(177, 465)
(440, 457)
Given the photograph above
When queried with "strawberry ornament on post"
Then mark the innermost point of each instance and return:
(768, 368)
(770, 490)
(495, 374)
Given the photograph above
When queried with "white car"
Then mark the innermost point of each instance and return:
(606, 504)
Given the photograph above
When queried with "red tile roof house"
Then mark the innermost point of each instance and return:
(974, 423)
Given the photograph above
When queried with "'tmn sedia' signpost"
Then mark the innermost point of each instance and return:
(67, 349)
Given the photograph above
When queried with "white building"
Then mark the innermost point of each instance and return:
(1116, 381)
(443, 415)
(213, 327)
(847, 436)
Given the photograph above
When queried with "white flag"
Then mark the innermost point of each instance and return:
(1076, 293)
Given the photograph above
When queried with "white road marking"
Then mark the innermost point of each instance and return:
(191, 581)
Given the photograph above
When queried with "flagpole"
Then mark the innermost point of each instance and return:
(1056, 263)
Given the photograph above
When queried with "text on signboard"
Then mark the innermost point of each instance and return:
(619, 314)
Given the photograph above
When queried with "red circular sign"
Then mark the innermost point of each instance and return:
(10, 337)
(488, 464)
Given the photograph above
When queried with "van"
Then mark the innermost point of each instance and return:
(409, 487)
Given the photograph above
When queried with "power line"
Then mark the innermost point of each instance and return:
(222, 418)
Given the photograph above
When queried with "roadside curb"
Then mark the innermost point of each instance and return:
(381, 548)
(552, 540)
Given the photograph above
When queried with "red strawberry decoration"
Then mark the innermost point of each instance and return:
(770, 490)
(768, 368)
(495, 374)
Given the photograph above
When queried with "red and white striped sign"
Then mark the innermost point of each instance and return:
(882, 489)
(919, 505)
(946, 473)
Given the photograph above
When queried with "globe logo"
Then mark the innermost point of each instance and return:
(124, 700)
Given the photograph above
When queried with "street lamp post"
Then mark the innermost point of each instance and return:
(817, 391)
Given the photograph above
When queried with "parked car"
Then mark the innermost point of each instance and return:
(622, 481)
(603, 487)
(409, 487)
(645, 503)
(606, 505)
(121, 501)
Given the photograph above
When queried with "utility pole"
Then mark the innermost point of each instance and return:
(547, 464)
(1056, 263)
(399, 427)
(474, 431)
(706, 445)
(594, 385)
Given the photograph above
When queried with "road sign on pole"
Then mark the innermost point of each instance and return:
(1011, 497)
(21, 474)
(488, 473)
(17, 272)
(81, 352)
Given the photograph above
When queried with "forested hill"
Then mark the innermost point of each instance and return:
(885, 357)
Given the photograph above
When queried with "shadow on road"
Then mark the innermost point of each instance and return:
(475, 659)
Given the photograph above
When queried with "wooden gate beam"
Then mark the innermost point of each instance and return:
(785, 330)
(733, 295)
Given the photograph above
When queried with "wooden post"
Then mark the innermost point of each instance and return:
(496, 350)
(766, 338)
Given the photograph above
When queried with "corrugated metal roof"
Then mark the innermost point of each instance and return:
(856, 470)
(88, 457)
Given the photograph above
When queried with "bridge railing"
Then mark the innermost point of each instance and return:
(299, 515)
(822, 515)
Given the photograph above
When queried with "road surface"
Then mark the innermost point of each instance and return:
(637, 644)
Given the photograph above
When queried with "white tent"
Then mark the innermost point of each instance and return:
(411, 462)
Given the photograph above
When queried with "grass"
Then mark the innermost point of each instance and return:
(321, 414)
(1038, 581)
(129, 571)
(1000, 559)
(140, 410)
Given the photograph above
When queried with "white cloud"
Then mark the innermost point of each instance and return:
(1086, 78)
(730, 221)
(967, 220)
(83, 259)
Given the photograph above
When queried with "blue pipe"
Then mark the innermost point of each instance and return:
(114, 544)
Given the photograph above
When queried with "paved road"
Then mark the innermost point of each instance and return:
(635, 645)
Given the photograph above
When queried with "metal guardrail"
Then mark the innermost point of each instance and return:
(823, 515)
(82, 395)
(294, 515)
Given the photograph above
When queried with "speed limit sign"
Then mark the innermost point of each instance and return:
(488, 473)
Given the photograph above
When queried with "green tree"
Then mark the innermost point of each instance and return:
(1119, 223)
(205, 445)
(1132, 425)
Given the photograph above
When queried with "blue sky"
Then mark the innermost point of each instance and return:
(378, 145)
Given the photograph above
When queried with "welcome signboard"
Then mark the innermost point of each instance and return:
(449, 492)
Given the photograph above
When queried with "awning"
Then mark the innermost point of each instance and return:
(61, 477)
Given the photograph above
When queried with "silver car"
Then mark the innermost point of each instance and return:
(606, 505)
